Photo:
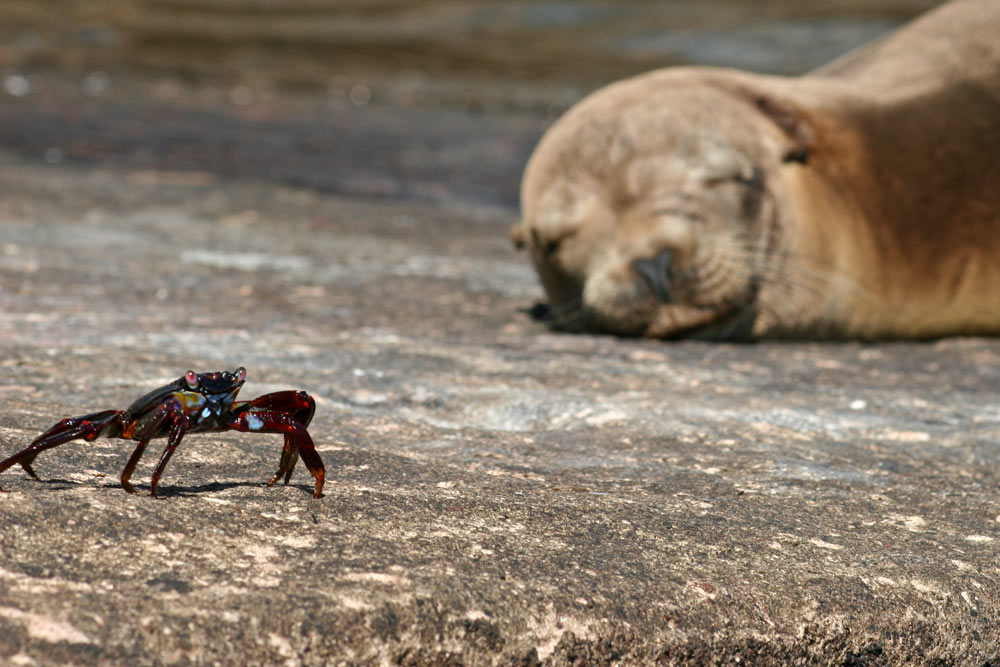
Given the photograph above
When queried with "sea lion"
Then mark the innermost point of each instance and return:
(861, 200)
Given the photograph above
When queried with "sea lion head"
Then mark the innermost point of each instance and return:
(648, 210)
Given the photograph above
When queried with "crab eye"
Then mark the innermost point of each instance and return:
(241, 374)
(191, 378)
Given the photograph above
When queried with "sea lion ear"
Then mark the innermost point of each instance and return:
(516, 235)
(794, 123)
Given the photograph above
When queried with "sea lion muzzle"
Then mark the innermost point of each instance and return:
(655, 273)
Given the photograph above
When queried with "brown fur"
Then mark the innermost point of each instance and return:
(861, 200)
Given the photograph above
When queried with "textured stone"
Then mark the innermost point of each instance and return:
(497, 493)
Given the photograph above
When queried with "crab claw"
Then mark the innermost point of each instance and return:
(287, 412)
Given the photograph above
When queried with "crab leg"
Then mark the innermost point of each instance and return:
(297, 440)
(145, 430)
(177, 431)
(86, 427)
(130, 466)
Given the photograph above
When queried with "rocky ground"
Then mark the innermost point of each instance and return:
(496, 493)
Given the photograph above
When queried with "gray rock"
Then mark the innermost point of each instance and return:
(497, 494)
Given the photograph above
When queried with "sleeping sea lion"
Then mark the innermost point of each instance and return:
(860, 200)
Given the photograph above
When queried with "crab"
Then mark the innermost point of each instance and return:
(193, 403)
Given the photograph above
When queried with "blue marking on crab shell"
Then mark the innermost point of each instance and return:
(206, 413)
(254, 423)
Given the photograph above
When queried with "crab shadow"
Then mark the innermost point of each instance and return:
(202, 489)
(169, 491)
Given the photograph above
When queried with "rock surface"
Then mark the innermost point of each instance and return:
(496, 493)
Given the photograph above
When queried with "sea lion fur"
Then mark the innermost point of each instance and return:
(861, 200)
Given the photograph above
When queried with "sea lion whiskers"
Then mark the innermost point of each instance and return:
(783, 277)
(721, 268)
(790, 286)
(797, 270)
(567, 316)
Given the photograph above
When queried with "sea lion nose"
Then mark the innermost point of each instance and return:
(656, 274)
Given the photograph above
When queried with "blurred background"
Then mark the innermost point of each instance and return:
(383, 98)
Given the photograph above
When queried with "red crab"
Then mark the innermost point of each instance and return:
(195, 403)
